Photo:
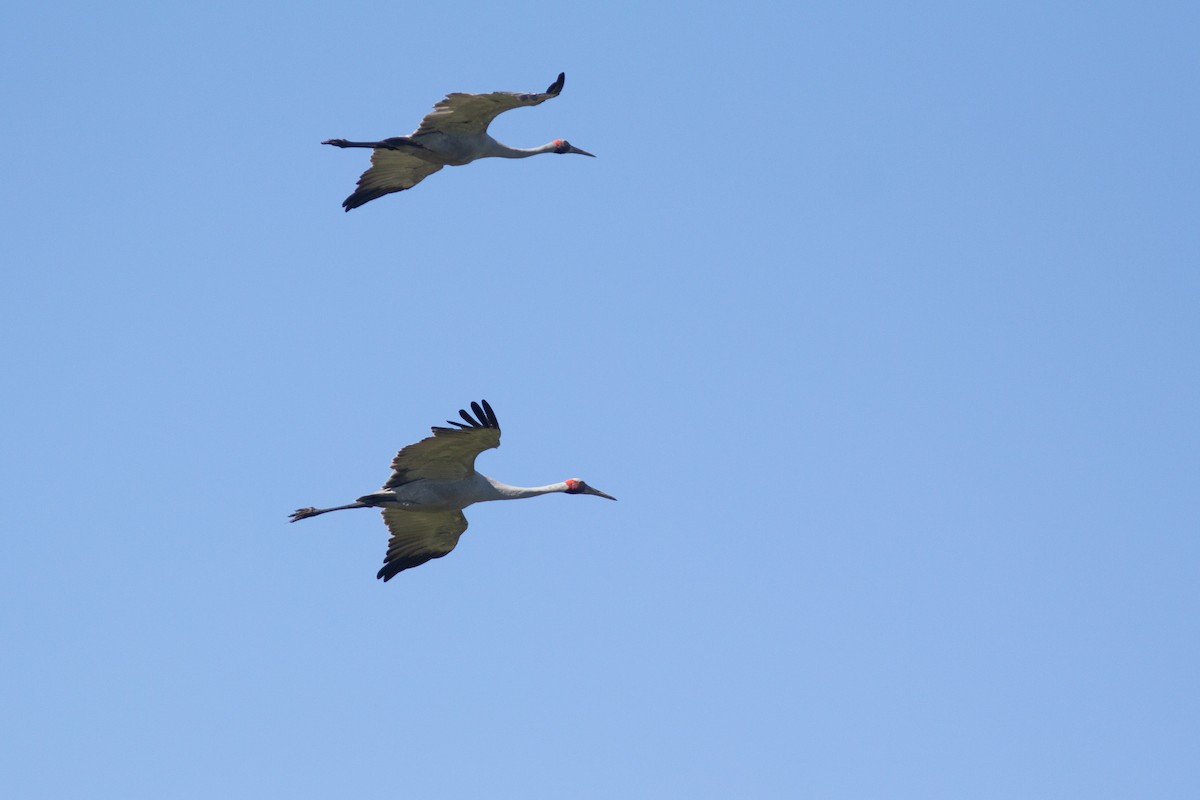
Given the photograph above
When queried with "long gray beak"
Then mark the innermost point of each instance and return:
(573, 149)
(589, 489)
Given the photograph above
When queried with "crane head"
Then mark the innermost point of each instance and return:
(563, 146)
(577, 486)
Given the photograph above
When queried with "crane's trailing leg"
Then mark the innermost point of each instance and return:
(305, 513)
(394, 143)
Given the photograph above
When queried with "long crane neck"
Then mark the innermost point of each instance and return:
(497, 150)
(507, 492)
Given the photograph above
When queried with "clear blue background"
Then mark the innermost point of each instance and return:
(880, 319)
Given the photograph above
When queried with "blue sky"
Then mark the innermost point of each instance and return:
(880, 320)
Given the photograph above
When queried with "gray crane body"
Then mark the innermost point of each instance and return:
(427, 495)
(455, 151)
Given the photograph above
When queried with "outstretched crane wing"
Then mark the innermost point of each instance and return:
(390, 171)
(461, 114)
(417, 537)
(448, 455)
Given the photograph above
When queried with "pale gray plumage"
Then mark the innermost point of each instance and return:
(453, 134)
(432, 481)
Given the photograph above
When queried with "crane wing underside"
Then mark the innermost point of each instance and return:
(390, 171)
(461, 114)
(448, 455)
(417, 537)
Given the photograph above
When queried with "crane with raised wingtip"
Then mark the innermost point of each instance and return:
(453, 134)
(432, 481)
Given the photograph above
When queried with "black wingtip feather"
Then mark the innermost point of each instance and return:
(491, 416)
(557, 86)
(391, 569)
(484, 417)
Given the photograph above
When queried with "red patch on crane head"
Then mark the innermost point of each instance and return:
(558, 142)
(571, 483)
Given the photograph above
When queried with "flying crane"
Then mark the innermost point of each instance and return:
(453, 134)
(432, 481)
